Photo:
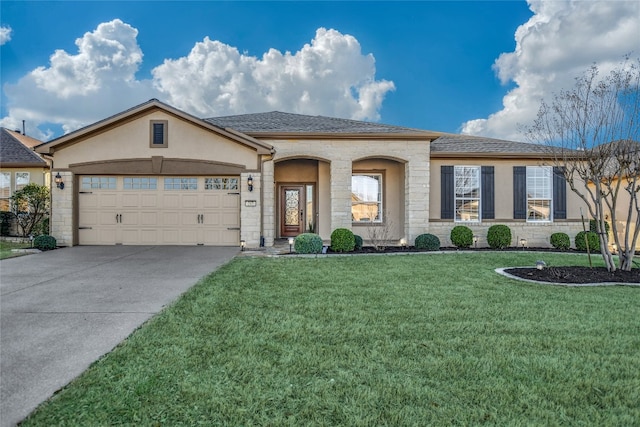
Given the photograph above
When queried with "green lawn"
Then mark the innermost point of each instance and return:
(368, 341)
(6, 247)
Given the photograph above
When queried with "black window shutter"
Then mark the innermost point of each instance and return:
(158, 133)
(519, 192)
(488, 196)
(446, 192)
(559, 194)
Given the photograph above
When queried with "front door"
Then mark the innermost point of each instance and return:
(292, 210)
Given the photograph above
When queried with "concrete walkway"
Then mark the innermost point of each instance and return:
(62, 310)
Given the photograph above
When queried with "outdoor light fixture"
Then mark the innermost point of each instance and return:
(290, 244)
(242, 245)
(59, 182)
(250, 183)
(540, 265)
(523, 243)
(403, 242)
(475, 241)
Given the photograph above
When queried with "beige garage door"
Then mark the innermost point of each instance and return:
(159, 210)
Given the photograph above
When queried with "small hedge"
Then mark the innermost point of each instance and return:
(499, 236)
(560, 241)
(308, 243)
(45, 242)
(461, 236)
(594, 241)
(428, 242)
(342, 240)
(359, 242)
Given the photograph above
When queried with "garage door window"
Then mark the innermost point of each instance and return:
(221, 183)
(181, 183)
(98, 182)
(142, 183)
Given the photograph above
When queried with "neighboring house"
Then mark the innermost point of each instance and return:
(19, 165)
(156, 175)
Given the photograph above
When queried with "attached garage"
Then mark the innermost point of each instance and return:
(156, 210)
(155, 175)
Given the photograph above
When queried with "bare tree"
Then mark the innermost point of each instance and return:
(592, 132)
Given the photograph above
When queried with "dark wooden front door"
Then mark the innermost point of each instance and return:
(291, 210)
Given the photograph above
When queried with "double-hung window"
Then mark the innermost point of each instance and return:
(5, 190)
(467, 193)
(366, 197)
(539, 193)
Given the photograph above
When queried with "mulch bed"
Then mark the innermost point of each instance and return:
(569, 275)
(576, 275)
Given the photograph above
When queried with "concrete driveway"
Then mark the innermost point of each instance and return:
(62, 310)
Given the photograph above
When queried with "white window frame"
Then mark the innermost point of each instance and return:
(21, 176)
(180, 183)
(361, 195)
(460, 192)
(539, 193)
(222, 183)
(98, 183)
(5, 183)
(140, 183)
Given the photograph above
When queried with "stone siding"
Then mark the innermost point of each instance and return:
(536, 234)
(61, 222)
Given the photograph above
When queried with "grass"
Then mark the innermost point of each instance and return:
(6, 247)
(371, 340)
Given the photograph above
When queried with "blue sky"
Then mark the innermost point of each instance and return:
(472, 67)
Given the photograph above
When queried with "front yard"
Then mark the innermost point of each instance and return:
(6, 248)
(437, 339)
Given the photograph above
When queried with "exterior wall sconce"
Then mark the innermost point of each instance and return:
(59, 182)
(475, 241)
(242, 245)
(523, 243)
(250, 183)
(291, 240)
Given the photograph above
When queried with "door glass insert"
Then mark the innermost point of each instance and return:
(292, 199)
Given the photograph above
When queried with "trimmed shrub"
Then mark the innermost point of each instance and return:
(594, 241)
(342, 240)
(561, 241)
(44, 242)
(308, 243)
(499, 236)
(359, 242)
(461, 236)
(5, 223)
(428, 242)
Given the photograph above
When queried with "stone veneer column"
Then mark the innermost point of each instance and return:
(416, 195)
(250, 215)
(268, 203)
(61, 222)
(340, 194)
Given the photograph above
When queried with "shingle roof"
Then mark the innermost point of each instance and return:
(279, 122)
(460, 144)
(14, 152)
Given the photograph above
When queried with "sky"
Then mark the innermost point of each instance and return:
(472, 67)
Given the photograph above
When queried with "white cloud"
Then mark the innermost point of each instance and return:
(560, 41)
(5, 35)
(329, 76)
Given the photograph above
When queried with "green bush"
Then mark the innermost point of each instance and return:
(594, 241)
(594, 228)
(499, 236)
(342, 240)
(461, 236)
(561, 241)
(308, 243)
(42, 227)
(44, 242)
(427, 241)
(359, 242)
(5, 223)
